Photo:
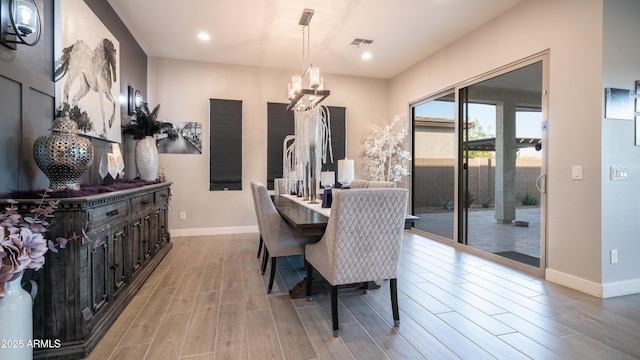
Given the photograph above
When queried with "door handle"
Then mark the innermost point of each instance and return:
(541, 183)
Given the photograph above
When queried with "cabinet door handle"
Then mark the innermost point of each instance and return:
(163, 195)
(114, 266)
(113, 212)
(144, 202)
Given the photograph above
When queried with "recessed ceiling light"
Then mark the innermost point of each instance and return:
(204, 36)
(366, 56)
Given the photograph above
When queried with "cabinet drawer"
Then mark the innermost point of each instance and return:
(107, 213)
(162, 196)
(139, 203)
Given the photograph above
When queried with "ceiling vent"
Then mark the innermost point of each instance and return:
(357, 42)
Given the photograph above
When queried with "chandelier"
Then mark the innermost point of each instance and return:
(305, 98)
(310, 146)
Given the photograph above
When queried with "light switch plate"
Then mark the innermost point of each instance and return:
(617, 173)
(576, 172)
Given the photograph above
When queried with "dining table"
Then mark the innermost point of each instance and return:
(309, 218)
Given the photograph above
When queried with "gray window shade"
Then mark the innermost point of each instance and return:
(225, 128)
(280, 124)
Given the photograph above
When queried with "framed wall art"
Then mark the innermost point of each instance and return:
(87, 71)
(182, 137)
(618, 104)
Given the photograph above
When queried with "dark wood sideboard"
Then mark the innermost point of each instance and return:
(84, 288)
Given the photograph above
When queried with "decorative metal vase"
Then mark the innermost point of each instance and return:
(63, 155)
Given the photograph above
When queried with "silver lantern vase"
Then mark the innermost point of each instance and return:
(63, 155)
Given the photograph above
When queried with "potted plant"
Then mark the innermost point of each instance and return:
(144, 123)
(22, 246)
(143, 127)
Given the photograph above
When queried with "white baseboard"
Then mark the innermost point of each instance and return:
(213, 231)
(621, 288)
(574, 282)
(618, 288)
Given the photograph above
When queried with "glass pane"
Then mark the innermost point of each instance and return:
(434, 165)
(500, 200)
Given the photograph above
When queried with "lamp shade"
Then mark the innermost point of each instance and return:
(314, 77)
(296, 84)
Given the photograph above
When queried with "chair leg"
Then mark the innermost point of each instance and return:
(366, 287)
(260, 247)
(393, 286)
(273, 274)
(334, 309)
(309, 280)
(265, 259)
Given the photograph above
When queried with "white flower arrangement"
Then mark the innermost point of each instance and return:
(382, 150)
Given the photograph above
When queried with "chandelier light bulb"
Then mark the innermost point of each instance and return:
(314, 77)
(290, 93)
(296, 84)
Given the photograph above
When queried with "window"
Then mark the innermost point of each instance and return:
(280, 124)
(225, 163)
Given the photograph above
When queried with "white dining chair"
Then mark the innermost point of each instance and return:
(362, 243)
(358, 184)
(381, 184)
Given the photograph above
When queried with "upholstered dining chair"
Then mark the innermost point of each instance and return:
(381, 184)
(362, 243)
(358, 184)
(255, 206)
(280, 239)
(278, 186)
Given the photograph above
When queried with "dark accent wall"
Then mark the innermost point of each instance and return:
(28, 96)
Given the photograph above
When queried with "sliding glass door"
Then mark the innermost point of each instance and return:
(479, 164)
(501, 161)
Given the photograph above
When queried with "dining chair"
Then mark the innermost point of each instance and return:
(255, 206)
(361, 243)
(358, 184)
(278, 186)
(280, 239)
(381, 184)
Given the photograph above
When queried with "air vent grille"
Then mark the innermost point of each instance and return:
(357, 42)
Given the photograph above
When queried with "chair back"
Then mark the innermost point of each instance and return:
(364, 234)
(254, 195)
(278, 186)
(358, 184)
(381, 184)
(280, 238)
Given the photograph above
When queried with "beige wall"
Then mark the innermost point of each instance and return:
(571, 31)
(183, 89)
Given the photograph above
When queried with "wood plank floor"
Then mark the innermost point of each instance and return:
(207, 300)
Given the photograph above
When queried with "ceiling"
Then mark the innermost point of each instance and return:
(265, 33)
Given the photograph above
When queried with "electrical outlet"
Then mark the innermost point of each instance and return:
(614, 256)
(183, 215)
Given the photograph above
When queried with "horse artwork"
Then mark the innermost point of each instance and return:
(86, 71)
(93, 70)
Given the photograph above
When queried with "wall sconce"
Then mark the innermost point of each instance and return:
(131, 103)
(138, 99)
(134, 100)
(19, 23)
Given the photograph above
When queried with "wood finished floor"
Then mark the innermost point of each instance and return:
(207, 300)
